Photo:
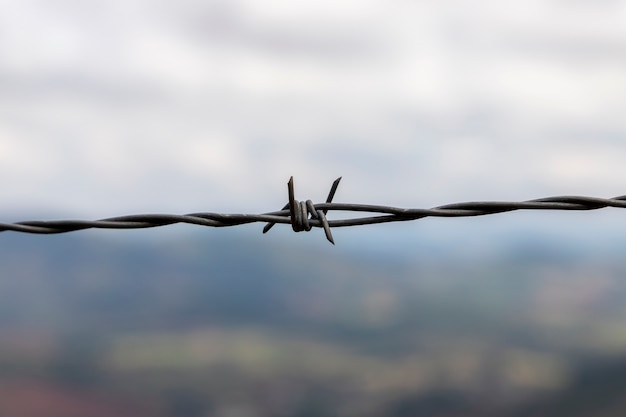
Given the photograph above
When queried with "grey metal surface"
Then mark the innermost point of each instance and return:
(304, 215)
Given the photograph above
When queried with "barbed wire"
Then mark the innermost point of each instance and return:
(304, 215)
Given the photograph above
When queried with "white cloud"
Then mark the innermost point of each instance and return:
(476, 97)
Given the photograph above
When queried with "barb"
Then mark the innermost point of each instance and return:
(300, 212)
(304, 215)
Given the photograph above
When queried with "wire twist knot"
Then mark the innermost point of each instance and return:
(302, 212)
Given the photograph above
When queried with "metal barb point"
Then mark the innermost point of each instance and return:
(268, 226)
(331, 194)
(292, 205)
(299, 211)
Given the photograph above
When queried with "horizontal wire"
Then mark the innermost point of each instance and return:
(313, 215)
(468, 209)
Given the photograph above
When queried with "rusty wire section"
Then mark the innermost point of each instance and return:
(304, 215)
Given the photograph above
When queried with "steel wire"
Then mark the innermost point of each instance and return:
(305, 215)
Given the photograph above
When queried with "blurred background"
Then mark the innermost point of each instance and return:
(115, 107)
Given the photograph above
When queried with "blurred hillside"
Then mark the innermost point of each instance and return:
(204, 325)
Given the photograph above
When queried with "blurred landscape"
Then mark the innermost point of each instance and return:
(115, 107)
(230, 325)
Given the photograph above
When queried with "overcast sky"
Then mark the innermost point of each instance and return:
(112, 107)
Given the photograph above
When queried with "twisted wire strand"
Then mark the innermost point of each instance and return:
(305, 215)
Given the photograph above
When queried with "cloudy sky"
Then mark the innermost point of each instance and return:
(113, 107)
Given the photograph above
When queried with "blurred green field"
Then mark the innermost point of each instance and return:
(92, 327)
